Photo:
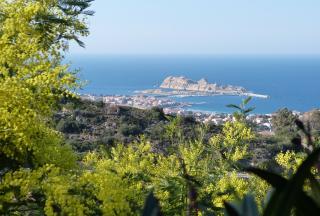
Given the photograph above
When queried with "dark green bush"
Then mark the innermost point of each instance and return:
(127, 130)
(69, 126)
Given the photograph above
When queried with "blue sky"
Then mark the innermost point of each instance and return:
(204, 27)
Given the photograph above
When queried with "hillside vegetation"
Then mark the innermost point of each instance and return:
(62, 156)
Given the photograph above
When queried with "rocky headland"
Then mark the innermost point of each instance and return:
(182, 86)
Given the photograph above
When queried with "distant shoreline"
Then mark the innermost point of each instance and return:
(186, 93)
(171, 107)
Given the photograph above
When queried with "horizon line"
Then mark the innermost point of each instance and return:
(195, 54)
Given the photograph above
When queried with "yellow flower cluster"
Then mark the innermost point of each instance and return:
(233, 141)
(31, 81)
(290, 161)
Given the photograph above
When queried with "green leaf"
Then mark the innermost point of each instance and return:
(247, 207)
(292, 195)
(233, 106)
(303, 171)
(247, 100)
(275, 180)
(151, 207)
(249, 110)
(315, 189)
(231, 210)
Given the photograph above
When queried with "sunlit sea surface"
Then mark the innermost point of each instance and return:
(290, 81)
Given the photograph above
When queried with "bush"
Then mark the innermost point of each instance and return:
(283, 123)
(82, 146)
(69, 126)
(127, 130)
(107, 140)
(156, 113)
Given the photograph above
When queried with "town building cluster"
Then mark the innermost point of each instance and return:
(137, 101)
(261, 121)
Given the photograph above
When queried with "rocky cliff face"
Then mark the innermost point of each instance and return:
(182, 83)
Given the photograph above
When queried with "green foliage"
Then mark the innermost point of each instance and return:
(45, 190)
(189, 180)
(173, 130)
(290, 161)
(127, 130)
(246, 207)
(298, 195)
(32, 78)
(172, 177)
(232, 143)
(157, 114)
(241, 111)
(33, 35)
(283, 123)
(69, 126)
(152, 207)
(41, 175)
(289, 194)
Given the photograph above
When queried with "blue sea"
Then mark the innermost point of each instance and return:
(290, 81)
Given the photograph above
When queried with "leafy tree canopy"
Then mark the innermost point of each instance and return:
(33, 35)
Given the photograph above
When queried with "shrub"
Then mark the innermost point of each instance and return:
(283, 123)
(69, 126)
(127, 130)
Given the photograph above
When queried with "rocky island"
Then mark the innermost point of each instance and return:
(182, 86)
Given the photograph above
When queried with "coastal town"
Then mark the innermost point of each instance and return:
(181, 86)
(137, 101)
(262, 121)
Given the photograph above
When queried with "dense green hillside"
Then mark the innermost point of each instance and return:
(88, 125)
